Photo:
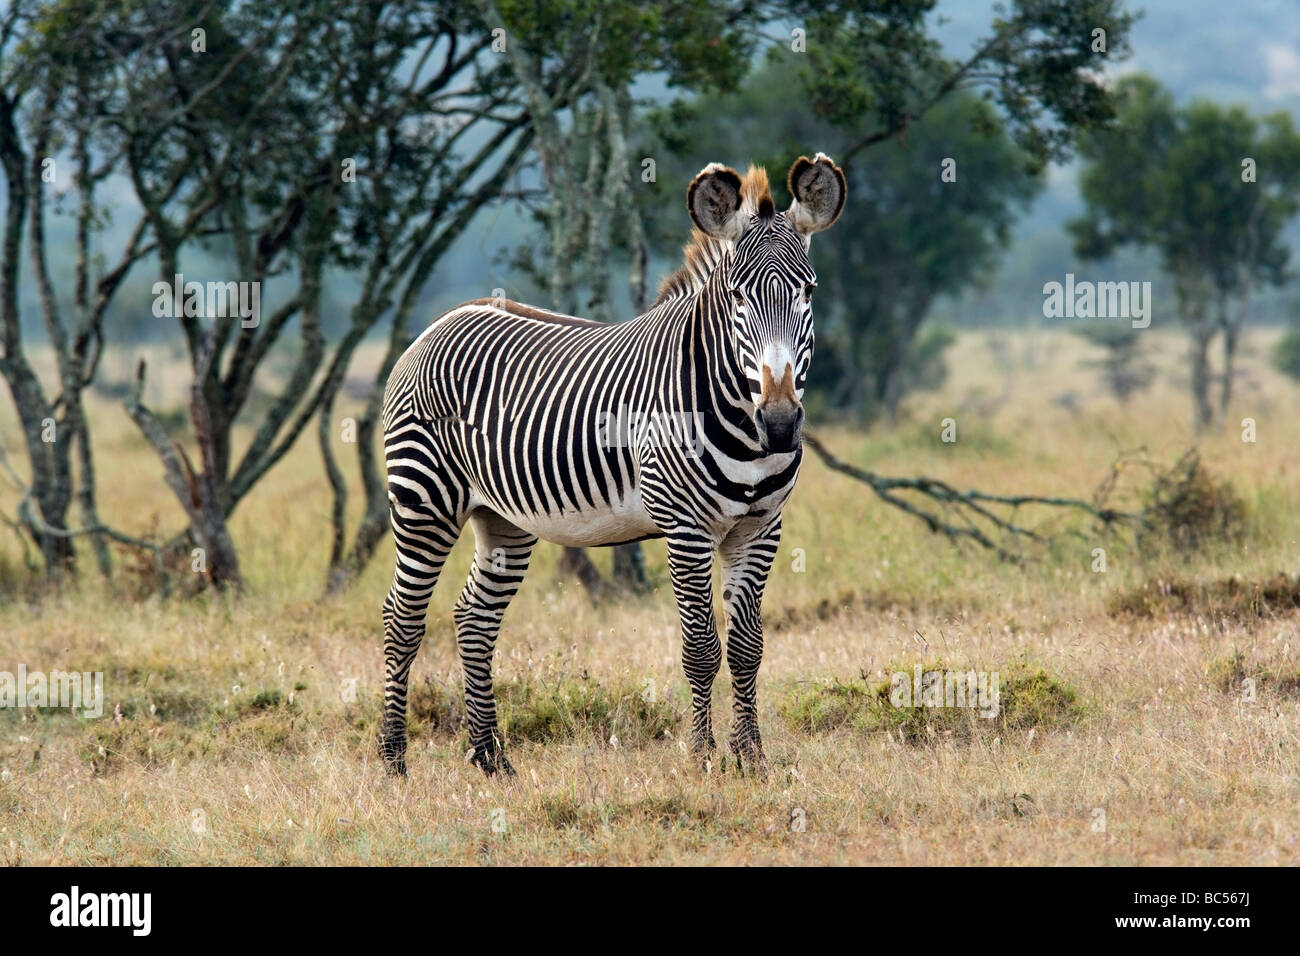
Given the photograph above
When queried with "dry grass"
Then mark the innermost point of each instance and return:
(236, 743)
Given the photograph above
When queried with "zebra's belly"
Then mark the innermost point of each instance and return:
(586, 527)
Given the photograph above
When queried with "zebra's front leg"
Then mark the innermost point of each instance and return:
(746, 560)
(501, 555)
(690, 565)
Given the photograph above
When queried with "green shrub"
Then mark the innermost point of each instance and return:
(581, 709)
(1027, 698)
(1188, 508)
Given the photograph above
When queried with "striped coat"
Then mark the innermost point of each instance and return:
(683, 423)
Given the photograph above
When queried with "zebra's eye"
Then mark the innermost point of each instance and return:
(808, 291)
(738, 296)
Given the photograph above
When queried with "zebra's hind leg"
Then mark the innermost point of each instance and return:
(690, 566)
(746, 560)
(424, 537)
(501, 555)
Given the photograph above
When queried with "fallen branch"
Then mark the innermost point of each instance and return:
(972, 504)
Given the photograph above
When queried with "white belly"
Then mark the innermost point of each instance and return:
(589, 527)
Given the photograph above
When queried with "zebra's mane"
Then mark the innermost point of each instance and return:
(703, 253)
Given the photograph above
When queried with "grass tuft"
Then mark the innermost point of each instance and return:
(582, 709)
(1229, 673)
(1027, 698)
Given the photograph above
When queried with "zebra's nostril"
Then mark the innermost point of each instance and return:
(758, 417)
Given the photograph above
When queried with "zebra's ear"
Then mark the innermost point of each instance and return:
(819, 190)
(713, 200)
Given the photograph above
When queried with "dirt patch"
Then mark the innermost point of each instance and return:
(1231, 599)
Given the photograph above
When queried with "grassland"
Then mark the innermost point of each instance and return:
(231, 735)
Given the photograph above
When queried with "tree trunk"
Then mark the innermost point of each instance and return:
(1193, 296)
(629, 560)
(1231, 338)
(629, 568)
(86, 495)
(574, 562)
(1203, 412)
(213, 532)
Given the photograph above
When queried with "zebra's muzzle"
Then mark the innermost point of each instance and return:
(779, 415)
(780, 426)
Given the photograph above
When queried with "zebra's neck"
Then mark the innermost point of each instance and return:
(714, 369)
(701, 259)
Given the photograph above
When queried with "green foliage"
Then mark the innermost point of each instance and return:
(1033, 698)
(831, 706)
(696, 44)
(153, 726)
(905, 238)
(872, 76)
(1227, 675)
(542, 711)
(873, 68)
(1211, 188)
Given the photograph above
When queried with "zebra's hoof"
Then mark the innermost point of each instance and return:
(703, 746)
(705, 753)
(491, 762)
(393, 752)
(748, 751)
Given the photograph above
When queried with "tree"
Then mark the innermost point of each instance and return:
(1211, 189)
(1123, 367)
(293, 138)
(58, 87)
(937, 212)
(414, 198)
(873, 69)
(235, 126)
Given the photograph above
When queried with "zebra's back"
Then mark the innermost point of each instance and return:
(510, 408)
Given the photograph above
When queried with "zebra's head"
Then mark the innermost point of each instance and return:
(769, 279)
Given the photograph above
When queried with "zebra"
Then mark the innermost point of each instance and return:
(499, 416)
